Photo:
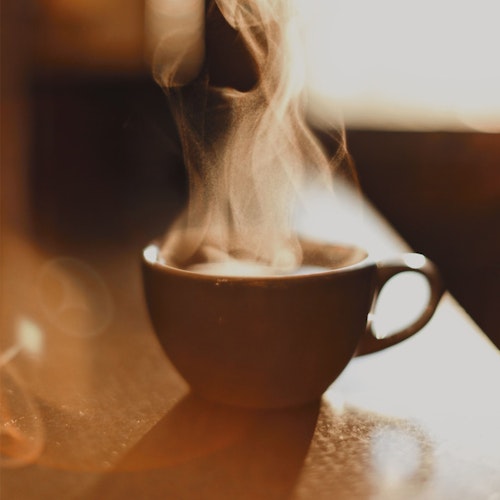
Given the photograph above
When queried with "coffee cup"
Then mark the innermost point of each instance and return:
(275, 341)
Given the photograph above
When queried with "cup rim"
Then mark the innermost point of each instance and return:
(152, 258)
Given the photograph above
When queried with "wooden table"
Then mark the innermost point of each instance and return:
(93, 409)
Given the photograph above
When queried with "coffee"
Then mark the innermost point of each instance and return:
(315, 259)
(240, 268)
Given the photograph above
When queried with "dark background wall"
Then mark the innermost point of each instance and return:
(442, 193)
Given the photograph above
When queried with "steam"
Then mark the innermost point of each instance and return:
(248, 151)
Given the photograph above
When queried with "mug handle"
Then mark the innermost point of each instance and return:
(408, 262)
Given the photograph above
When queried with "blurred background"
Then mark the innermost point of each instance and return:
(90, 155)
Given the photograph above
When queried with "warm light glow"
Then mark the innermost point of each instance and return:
(151, 253)
(414, 260)
(29, 339)
(396, 457)
(431, 64)
(29, 336)
(401, 301)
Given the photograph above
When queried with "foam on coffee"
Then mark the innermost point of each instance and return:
(247, 268)
(318, 258)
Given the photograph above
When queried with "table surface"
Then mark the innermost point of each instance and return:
(92, 408)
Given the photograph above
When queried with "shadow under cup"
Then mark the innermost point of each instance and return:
(275, 341)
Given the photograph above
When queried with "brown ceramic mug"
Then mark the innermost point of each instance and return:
(275, 341)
